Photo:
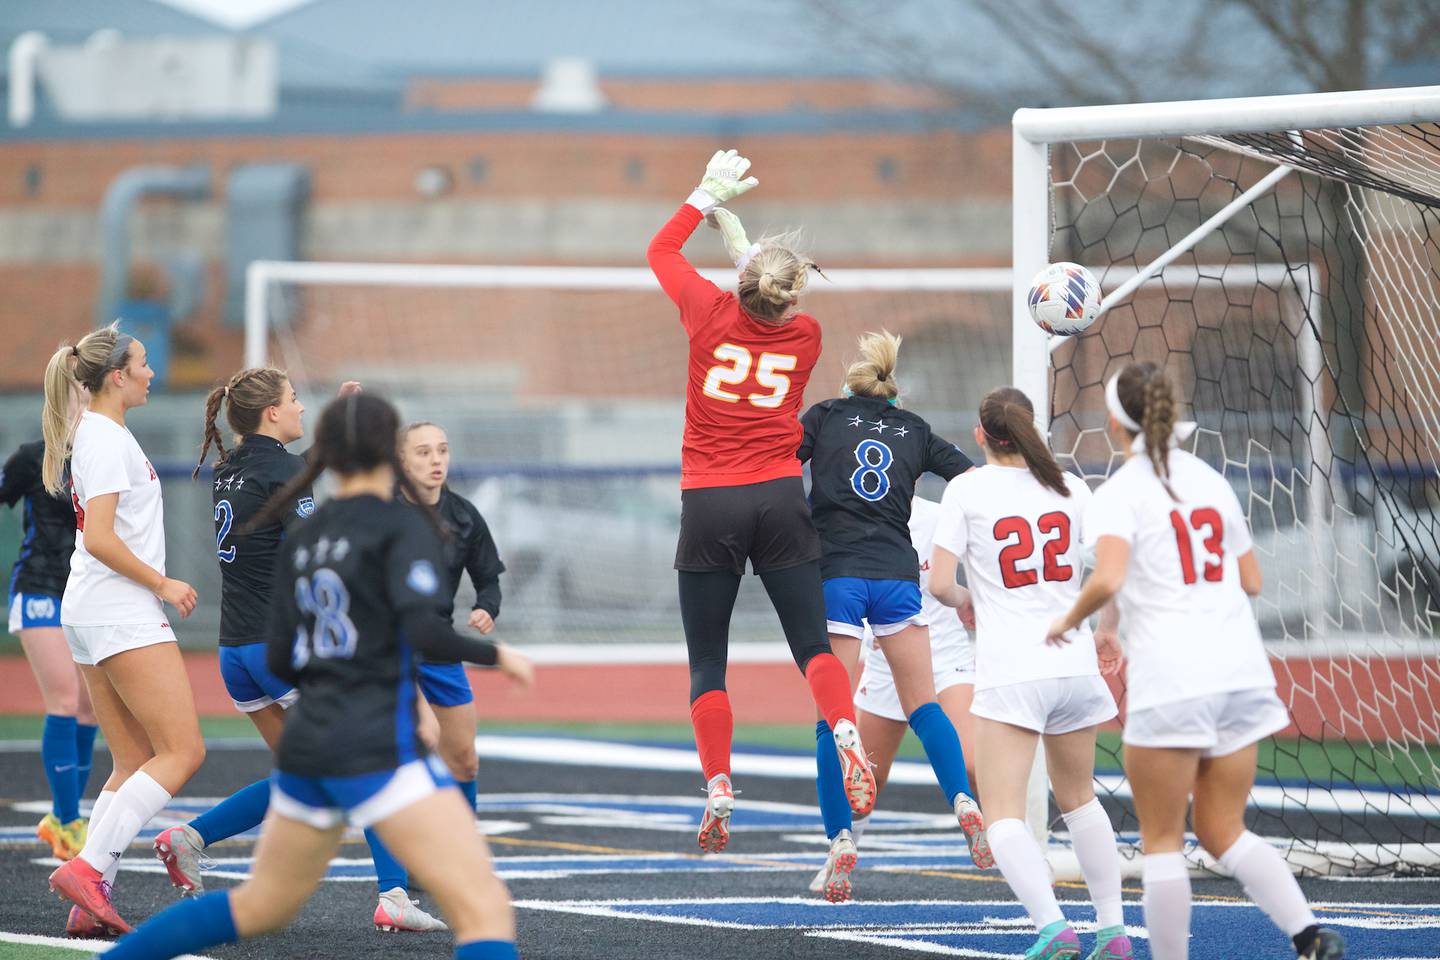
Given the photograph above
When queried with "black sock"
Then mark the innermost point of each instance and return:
(1305, 940)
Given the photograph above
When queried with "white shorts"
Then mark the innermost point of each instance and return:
(1055, 705)
(952, 657)
(91, 645)
(1217, 725)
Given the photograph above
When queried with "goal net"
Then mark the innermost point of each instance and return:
(562, 391)
(1297, 312)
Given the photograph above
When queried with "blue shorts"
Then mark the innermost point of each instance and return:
(249, 681)
(362, 800)
(444, 684)
(33, 610)
(889, 605)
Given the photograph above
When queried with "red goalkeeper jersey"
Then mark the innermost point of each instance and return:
(746, 379)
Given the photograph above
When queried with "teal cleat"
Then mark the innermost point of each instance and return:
(1111, 944)
(1057, 942)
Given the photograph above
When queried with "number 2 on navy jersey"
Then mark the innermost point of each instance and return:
(322, 596)
(225, 516)
(734, 368)
(1056, 525)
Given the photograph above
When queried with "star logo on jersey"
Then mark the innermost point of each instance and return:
(856, 422)
(239, 483)
(877, 425)
(302, 558)
(901, 431)
(342, 547)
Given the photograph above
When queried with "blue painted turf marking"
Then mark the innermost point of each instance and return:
(1000, 928)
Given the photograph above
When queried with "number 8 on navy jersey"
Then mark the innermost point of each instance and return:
(875, 459)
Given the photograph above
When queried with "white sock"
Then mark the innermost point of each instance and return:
(1094, 841)
(1025, 869)
(1262, 872)
(857, 827)
(138, 799)
(97, 813)
(1167, 905)
(101, 804)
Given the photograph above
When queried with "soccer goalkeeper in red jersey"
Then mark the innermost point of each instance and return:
(742, 498)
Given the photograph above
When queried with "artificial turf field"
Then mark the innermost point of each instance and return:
(594, 838)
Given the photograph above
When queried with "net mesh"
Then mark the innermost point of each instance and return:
(564, 406)
(1302, 332)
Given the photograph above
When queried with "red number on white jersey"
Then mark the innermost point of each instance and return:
(1055, 570)
(1214, 569)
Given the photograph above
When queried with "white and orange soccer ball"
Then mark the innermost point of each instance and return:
(1064, 299)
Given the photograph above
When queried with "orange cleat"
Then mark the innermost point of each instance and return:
(84, 886)
(715, 824)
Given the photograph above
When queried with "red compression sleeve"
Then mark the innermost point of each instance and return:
(714, 724)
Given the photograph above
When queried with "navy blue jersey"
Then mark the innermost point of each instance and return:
(346, 580)
(44, 561)
(244, 482)
(469, 549)
(865, 456)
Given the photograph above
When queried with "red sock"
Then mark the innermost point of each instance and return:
(830, 686)
(714, 724)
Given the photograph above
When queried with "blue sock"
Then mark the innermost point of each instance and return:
(829, 784)
(84, 754)
(942, 746)
(57, 752)
(242, 810)
(187, 927)
(388, 872)
(487, 950)
(467, 787)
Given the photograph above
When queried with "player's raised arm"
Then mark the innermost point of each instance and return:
(724, 180)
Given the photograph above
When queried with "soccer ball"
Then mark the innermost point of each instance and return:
(1064, 298)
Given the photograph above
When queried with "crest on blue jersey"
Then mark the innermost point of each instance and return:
(421, 578)
(306, 506)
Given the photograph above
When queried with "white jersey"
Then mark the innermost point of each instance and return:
(951, 651)
(106, 459)
(1186, 624)
(1020, 542)
(945, 626)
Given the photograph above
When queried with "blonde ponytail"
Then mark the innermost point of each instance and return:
(873, 373)
(72, 370)
(56, 423)
(773, 280)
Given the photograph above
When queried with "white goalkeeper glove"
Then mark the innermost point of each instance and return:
(737, 246)
(724, 180)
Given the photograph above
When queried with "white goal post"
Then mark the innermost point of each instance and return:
(1035, 130)
(1352, 473)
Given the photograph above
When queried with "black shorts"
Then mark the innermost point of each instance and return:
(767, 523)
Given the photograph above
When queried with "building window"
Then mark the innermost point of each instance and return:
(635, 170)
(479, 169)
(34, 176)
(887, 169)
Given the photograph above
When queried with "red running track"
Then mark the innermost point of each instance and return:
(1346, 697)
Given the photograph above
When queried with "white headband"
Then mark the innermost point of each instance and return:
(1112, 403)
(747, 257)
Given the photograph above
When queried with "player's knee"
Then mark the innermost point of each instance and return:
(1217, 833)
(259, 911)
(190, 754)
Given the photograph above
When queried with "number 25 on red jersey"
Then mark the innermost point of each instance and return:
(734, 369)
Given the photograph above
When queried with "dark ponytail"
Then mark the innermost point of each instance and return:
(1148, 397)
(357, 432)
(1008, 418)
(247, 396)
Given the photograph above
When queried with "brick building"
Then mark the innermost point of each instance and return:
(451, 162)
